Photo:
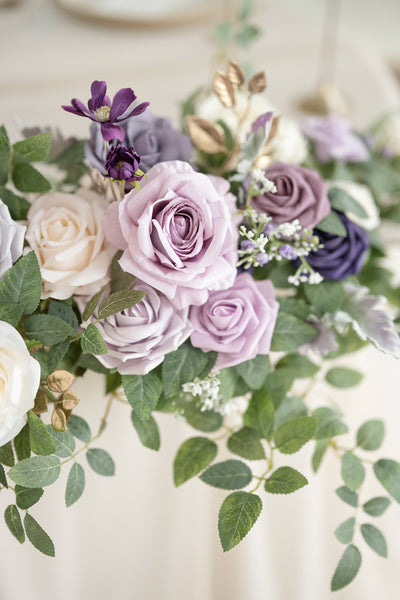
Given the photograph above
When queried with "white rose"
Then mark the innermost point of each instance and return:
(66, 234)
(363, 196)
(11, 239)
(19, 382)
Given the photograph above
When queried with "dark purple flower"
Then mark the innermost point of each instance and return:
(334, 140)
(101, 109)
(153, 138)
(340, 256)
(122, 163)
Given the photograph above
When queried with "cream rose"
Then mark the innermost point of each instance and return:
(19, 382)
(66, 234)
(363, 196)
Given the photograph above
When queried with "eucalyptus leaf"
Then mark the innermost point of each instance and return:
(347, 568)
(342, 377)
(370, 435)
(100, 461)
(14, 523)
(345, 532)
(37, 536)
(374, 539)
(376, 506)
(75, 484)
(27, 497)
(388, 473)
(79, 429)
(353, 472)
(35, 472)
(347, 496)
(321, 447)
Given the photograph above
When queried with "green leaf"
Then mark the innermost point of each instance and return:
(41, 441)
(352, 471)
(27, 497)
(92, 341)
(64, 312)
(247, 34)
(293, 434)
(321, 447)
(7, 455)
(327, 296)
(22, 284)
(5, 156)
(28, 180)
(100, 461)
(75, 484)
(254, 371)
(57, 353)
(290, 407)
(277, 385)
(120, 280)
(370, 435)
(14, 523)
(11, 313)
(193, 456)
(64, 441)
(260, 414)
(22, 443)
(118, 301)
(299, 366)
(181, 366)
(246, 443)
(374, 539)
(238, 513)
(246, 6)
(332, 224)
(37, 536)
(223, 32)
(88, 361)
(388, 473)
(347, 496)
(34, 148)
(142, 392)
(35, 472)
(329, 425)
(47, 329)
(18, 206)
(227, 378)
(147, 431)
(345, 532)
(285, 480)
(113, 382)
(203, 420)
(290, 333)
(79, 429)
(93, 302)
(376, 506)
(3, 478)
(341, 377)
(342, 201)
(228, 475)
(347, 568)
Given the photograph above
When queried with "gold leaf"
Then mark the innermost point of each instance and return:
(235, 73)
(274, 128)
(224, 89)
(67, 414)
(58, 420)
(206, 136)
(40, 402)
(69, 400)
(60, 381)
(258, 83)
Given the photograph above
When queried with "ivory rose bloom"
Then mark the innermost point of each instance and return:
(177, 233)
(19, 382)
(238, 323)
(66, 234)
(11, 239)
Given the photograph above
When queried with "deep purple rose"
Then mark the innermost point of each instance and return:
(340, 256)
(334, 140)
(153, 138)
(122, 163)
(301, 194)
(177, 233)
(238, 323)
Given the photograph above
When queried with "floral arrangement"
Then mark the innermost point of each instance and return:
(214, 274)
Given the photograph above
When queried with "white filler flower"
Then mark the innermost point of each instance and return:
(19, 382)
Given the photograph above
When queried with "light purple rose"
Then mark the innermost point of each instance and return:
(238, 323)
(138, 338)
(177, 233)
(301, 194)
(334, 140)
(11, 239)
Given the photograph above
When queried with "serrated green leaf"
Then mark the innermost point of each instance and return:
(376, 506)
(260, 414)
(388, 473)
(3, 478)
(88, 361)
(118, 301)
(285, 480)
(345, 532)
(321, 447)
(295, 306)
(5, 155)
(120, 280)
(92, 341)
(147, 431)
(347, 496)
(75, 484)
(7, 455)
(227, 475)
(27, 497)
(341, 377)
(352, 470)
(11, 313)
(342, 201)
(290, 333)
(293, 434)
(374, 539)
(37, 536)
(193, 456)
(57, 353)
(18, 206)
(203, 420)
(41, 441)
(93, 302)
(47, 329)
(14, 523)
(37, 471)
(238, 513)
(79, 428)
(64, 441)
(22, 443)
(28, 180)
(34, 148)
(370, 435)
(299, 366)
(246, 443)
(332, 224)
(290, 407)
(142, 393)
(254, 371)
(22, 284)
(64, 312)
(347, 568)
(329, 424)
(183, 365)
(100, 461)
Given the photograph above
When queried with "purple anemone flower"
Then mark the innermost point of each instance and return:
(101, 110)
(122, 164)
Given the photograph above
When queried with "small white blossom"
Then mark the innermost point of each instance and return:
(262, 183)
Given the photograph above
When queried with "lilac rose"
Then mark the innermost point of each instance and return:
(238, 323)
(177, 233)
(334, 140)
(152, 137)
(11, 239)
(138, 338)
(340, 256)
(301, 194)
